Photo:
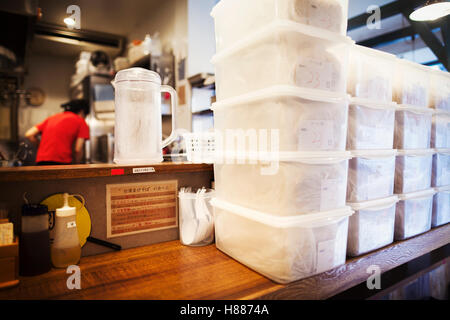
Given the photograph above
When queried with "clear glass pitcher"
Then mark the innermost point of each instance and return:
(138, 121)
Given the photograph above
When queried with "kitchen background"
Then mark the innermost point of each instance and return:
(51, 64)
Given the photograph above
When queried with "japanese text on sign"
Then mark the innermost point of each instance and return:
(141, 207)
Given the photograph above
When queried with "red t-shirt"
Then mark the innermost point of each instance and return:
(59, 133)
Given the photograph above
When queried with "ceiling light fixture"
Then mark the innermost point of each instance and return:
(69, 21)
(432, 10)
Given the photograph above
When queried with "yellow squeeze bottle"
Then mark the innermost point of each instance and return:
(66, 249)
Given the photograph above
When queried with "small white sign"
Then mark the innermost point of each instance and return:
(317, 134)
(71, 224)
(144, 170)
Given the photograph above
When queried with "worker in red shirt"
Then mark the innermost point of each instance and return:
(62, 133)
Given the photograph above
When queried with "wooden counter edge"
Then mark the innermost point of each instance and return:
(38, 173)
(354, 272)
(321, 286)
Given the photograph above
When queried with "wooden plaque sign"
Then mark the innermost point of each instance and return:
(141, 207)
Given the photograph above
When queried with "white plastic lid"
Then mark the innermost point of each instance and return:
(378, 204)
(415, 152)
(374, 153)
(369, 103)
(441, 112)
(415, 109)
(375, 52)
(417, 195)
(282, 222)
(414, 65)
(282, 91)
(285, 26)
(442, 151)
(216, 7)
(442, 189)
(66, 210)
(308, 157)
(137, 74)
(441, 72)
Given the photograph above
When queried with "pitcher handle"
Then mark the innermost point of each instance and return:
(174, 106)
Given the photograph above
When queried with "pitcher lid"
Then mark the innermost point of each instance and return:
(137, 74)
(34, 209)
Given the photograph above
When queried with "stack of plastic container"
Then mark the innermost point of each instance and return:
(370, 139)
(413, 123)
(440, 140)
(281, 71)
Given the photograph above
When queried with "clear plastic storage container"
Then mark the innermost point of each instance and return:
(440, 90)
(370, 125)
(413, 214)
(441, 207)
(413, 170)
(295, 185)
(371, 74)
(251, 15)
(411, 84)
(440, 130)
(371, 226)
(440, 176)
(283, 249)
(412, 128)
(284, 53)
(303, 120)
(371, 175)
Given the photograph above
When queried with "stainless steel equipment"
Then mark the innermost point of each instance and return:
(99, 91)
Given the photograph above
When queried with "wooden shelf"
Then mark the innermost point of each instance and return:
(203, 112)
(172, 271)
(33, 173)
(143, 62)
(203, 80)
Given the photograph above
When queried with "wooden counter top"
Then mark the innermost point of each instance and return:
(33, 173)
(172, 271)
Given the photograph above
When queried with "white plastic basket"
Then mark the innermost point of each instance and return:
(200, 147)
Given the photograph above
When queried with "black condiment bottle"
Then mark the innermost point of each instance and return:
(34, 244)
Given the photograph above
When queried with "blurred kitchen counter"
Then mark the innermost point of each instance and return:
(170, 270)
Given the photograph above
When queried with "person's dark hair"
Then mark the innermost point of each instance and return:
(76, 106)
